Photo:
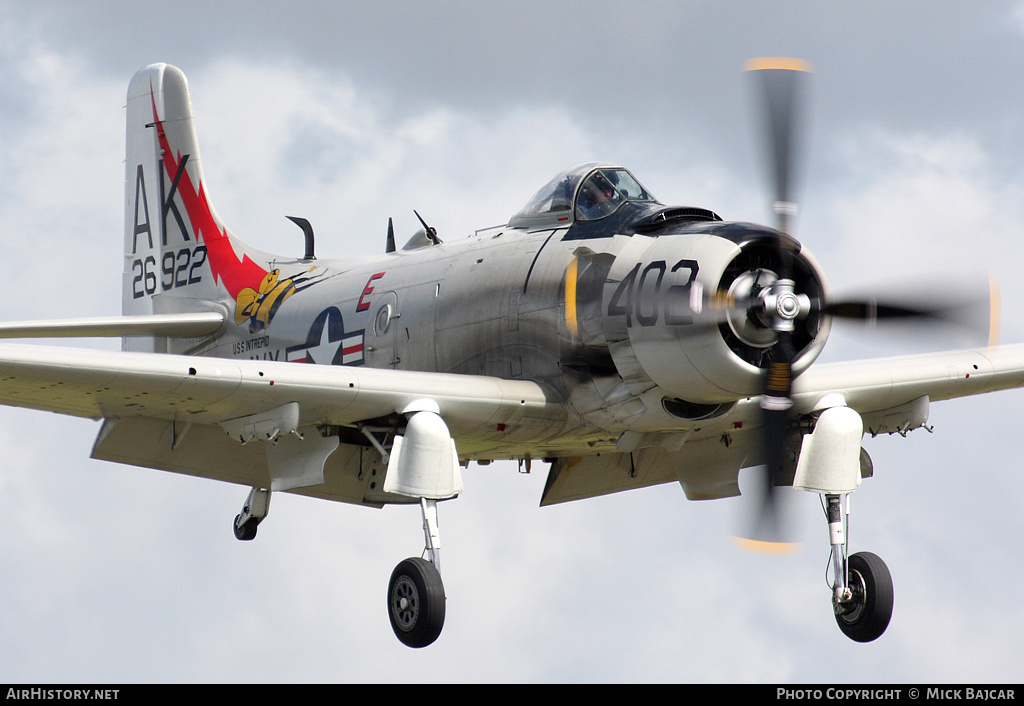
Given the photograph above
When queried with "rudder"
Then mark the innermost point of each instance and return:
(178, 256)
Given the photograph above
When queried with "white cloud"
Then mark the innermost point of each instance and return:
(923, 199)
(1015, 16)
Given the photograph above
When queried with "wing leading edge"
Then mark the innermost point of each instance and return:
(873, 386)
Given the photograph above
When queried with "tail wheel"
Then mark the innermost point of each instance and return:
(245, 531)
(416, 602)
(867, 617)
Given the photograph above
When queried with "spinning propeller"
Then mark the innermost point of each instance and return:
(767, 302)
(777, 305)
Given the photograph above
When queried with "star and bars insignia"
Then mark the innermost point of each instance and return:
(328, 343)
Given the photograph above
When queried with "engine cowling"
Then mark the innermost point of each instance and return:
(655, 337)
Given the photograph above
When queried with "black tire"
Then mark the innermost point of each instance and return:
(871, 584)
(247, 531)
(416, 602)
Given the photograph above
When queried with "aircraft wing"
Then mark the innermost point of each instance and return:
(175, 412)
(873, 386)
(891, 394)
(100, 384)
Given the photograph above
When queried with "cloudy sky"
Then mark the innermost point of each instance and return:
(348, 113)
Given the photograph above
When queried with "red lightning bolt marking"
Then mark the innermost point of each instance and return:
(236, 273)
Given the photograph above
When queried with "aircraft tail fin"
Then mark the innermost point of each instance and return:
(178, 255)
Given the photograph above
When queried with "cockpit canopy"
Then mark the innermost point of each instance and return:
(585, 193)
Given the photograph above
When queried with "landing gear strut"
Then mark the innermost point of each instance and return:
(862, 594)
(416, 601)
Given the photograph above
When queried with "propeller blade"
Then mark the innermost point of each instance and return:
(776, 305)
(966, 308)
(764, 305)
(874, 310)
(780, 81)
(767, 533)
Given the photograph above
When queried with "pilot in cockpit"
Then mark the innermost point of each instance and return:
(597, 198)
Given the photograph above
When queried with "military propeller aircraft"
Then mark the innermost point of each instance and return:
(623, 342)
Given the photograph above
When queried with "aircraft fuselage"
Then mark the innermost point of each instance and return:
(604, 321)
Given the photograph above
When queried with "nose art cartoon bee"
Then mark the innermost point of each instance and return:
(260, 306)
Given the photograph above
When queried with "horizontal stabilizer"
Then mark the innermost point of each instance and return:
(170, 325)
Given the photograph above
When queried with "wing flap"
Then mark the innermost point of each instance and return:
(706, 468)
(207, 452)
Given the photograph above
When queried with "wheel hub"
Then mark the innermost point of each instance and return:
(405, 603)
(850, 605)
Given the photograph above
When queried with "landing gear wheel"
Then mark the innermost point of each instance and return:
(868, 615)
(416, 602)
(246, 531)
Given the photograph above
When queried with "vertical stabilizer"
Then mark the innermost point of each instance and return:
(178, 256)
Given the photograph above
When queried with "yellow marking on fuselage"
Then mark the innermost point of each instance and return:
(570, 297)
(259, 305)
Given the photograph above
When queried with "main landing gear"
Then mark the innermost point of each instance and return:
(862, 594)
(832, 464)
(416, 600)
(422, 465)
(415, 594)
